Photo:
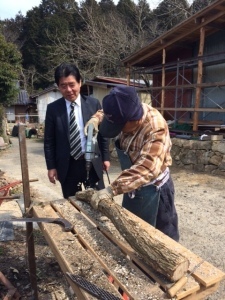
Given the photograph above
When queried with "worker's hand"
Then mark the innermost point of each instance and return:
(95, 122)
(100, 195)
(106, 165)
(52, 175)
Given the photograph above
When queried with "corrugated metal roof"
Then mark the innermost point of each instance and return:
(112, 81)
(23, 97)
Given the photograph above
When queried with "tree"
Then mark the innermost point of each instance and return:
(143, 21)
(171, 12)
(107, 6)
(51, 19)
(12, 29)
(100, 46)
(10, 65)
(126, 9)
(199, 5)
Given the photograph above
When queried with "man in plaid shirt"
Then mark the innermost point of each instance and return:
(143, 146)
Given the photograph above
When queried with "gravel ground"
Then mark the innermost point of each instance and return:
(200, 202)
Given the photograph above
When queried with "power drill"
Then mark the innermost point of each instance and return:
(90, 151)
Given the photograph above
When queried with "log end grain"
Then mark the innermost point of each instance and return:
(85, 195)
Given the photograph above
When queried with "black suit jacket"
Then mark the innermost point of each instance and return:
(56, 137)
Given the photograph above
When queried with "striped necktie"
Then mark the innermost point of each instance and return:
(75, 142)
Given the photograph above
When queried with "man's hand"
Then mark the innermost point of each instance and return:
(95, 122)
(106, 165)
(100, 195)
(52, 175)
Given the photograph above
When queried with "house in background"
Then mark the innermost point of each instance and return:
(24, 110)
(100, 86)
(43, 98)
(187, 65)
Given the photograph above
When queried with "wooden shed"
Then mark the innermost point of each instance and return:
(187, 65)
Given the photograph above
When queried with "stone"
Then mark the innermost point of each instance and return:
(188, 157)
(210, 168)
(199, 167)
(219, 146)
(215, 160)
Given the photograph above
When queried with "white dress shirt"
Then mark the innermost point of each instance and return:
(79, 119)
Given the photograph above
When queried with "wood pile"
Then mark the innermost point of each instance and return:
(97, 251)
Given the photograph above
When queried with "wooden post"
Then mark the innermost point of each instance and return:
(199, 78)
(163, 81)
(128, 75)
(27, 202)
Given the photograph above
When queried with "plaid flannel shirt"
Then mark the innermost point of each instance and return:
(148, 149)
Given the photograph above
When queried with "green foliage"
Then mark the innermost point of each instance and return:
(44, 25)
(10, 59)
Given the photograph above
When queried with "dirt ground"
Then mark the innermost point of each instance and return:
(200, 202)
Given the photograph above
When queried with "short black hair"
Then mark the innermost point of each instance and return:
(65, 70)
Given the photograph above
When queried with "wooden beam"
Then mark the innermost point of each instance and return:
(199, 77)
(27, 202)
(163, 80)
(183, 86)
(71, 255)
(128, 75)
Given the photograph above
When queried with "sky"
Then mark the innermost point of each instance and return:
(9, 8)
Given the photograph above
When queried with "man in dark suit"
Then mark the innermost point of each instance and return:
(61, 165)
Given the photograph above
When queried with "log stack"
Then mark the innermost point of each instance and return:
(149, 242)
(97, 251)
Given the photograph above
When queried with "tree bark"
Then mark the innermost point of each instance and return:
(156, 248)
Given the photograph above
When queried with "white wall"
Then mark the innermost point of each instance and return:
(10, 113)
(99, 93)
(43, 101)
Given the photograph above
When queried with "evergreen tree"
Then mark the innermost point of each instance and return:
(51, 21)
(127, 9)
(12, 28)
(10, 65)
(107, 6)
(199, 5)
(10, 60)
(143, 20)
(169, 13)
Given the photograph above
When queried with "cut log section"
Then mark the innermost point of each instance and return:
(150, 243)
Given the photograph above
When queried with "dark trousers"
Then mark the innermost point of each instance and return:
(167, 219)
(76, 176)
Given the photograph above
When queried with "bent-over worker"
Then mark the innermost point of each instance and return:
(143, 146)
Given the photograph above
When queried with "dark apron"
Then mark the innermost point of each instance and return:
(145, 200)
(153, 205)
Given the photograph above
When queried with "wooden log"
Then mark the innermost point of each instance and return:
(148, 242)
